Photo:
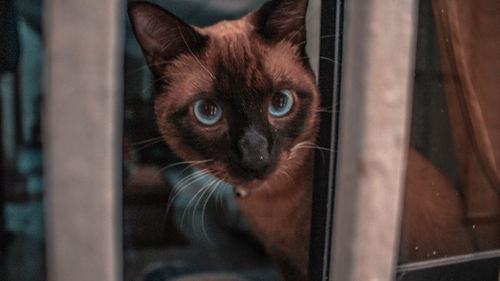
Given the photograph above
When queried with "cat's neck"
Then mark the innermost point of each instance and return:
(280, 211)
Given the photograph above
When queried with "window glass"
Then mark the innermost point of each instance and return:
(452, 198)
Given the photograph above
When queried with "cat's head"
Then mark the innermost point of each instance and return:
(238, 96)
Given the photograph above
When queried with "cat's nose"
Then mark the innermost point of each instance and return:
(254, 153)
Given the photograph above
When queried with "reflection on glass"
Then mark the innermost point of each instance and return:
(452, 199)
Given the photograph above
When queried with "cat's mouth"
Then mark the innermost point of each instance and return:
(237, 175)
(259, 168)
(245, 180)
(260, 173)
(251, 179)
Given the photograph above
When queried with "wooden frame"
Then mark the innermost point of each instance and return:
(81, 139)
(376, 76)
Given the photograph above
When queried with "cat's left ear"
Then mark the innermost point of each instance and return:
(280, 20)
(161, 35)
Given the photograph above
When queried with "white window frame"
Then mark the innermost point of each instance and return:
(82, 139)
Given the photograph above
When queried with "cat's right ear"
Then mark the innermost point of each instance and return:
(161, 35)
(280, 20)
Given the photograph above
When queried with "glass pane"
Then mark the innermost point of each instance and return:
(452, 200)
(178, 220)
(22, 236)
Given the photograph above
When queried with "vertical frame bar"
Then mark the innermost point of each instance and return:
(374, 132)
(82, 132)
(325, 160)
(3, 236)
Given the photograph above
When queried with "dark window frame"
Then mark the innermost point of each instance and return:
(330, 72)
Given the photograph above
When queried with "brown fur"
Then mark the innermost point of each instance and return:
(433, 224)
(279, 213)
(434, 217)
(278, 207)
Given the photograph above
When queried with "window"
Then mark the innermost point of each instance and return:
(407, 183)
(440, 94)
(451, 165)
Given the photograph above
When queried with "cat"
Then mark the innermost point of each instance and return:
(240, 98)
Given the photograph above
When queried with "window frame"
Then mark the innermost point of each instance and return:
(330, 72)
(353, 61)
(82, 144)
(326, 194)
(480, 265)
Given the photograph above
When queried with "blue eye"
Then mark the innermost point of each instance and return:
(281, 103)
(207, 112)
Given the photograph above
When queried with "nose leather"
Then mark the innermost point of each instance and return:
(254, 150)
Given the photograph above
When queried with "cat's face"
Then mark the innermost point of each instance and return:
(238, 96)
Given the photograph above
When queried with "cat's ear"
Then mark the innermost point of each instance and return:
(161, 35)
(282, 20)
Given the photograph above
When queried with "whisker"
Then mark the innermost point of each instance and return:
(207, 190)
(328, 59)
(300, 44)
(190, 179)
(150, 85)
(296, 32)
(147, 141)
(217, 199)
(195, 57)
(203, 228)
(321, 149)
(148, 144)
(306, 145)
(316, 147)
(191, 163)
(326, 109)
(187, 207)
(185, 182)
(202, 189)
(220, 195)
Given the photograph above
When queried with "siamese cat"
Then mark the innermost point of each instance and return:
(240, 98)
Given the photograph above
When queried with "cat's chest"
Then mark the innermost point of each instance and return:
(278, 217)
(282, 223)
